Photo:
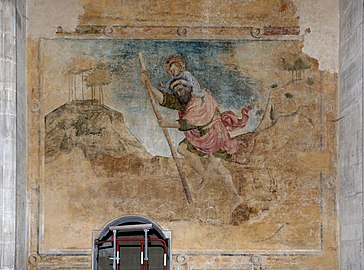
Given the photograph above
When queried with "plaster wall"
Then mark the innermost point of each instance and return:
(319, 20)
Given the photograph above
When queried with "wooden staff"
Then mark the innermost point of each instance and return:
(166, 134)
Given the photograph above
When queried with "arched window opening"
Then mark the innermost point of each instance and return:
(132, 242)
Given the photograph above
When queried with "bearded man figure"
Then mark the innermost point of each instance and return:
(206, 129)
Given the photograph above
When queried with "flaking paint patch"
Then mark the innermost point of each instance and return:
(322, 40)
(46, 15)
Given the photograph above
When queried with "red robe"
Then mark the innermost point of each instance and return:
(201, 112)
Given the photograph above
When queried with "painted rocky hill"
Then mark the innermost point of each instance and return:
(92, 127)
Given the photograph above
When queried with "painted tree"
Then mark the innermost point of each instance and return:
(78, 66)
(96, 80)
(297, 68)
(300, 67)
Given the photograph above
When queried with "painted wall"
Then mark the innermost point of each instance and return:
(97, 153)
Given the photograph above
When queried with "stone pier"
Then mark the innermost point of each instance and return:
(12, 135)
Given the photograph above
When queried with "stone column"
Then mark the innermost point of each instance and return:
(21, 138)
(7, 134)
(350, 136)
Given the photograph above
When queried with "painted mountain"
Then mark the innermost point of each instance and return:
(92, 127)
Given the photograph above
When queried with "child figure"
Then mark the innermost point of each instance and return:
(175, 67)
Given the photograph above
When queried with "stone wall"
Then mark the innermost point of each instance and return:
(13, 236)
(8, 186)
(350, 138)
(21, 137)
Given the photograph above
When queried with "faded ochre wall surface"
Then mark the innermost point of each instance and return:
(96, 152)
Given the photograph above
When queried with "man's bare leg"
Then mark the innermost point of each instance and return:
(225, 175)
(194, 161)
(215, 165)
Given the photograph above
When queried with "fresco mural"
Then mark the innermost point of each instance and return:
(220, 149)
(120, 96)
